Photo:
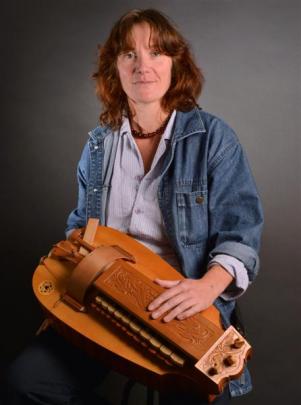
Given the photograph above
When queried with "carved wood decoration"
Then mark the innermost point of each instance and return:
(134, 291)
(114, 325)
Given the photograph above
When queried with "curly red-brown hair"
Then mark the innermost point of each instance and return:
(186, 80)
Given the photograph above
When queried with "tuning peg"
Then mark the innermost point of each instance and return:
(229, 361)
(237, 344)
(212, 371)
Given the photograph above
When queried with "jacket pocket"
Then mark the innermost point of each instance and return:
(192, 216)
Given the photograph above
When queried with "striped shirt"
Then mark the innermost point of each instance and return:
(133, 206)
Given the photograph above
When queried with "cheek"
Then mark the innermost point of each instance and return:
(166, 69)
(166, 73)
(123, 74)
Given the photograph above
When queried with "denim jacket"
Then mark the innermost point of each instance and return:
(207, 197)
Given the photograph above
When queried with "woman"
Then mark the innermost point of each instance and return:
(169, 174)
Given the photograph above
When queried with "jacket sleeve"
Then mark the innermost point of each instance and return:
(235, 212)
(78, 217)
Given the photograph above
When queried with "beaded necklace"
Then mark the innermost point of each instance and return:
(159, 131)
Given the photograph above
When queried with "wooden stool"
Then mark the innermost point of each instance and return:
(127, 391)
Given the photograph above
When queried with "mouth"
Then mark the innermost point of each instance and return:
(144, 82)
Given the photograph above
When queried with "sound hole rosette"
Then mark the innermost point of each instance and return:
(46, 287)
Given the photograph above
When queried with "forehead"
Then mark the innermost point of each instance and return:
(141, 33)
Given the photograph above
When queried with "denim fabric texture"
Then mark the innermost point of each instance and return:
(207, 196)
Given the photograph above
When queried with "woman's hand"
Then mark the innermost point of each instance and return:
(184, 298)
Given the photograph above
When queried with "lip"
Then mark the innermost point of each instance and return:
(144, 82)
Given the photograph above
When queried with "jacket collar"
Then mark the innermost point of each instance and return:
(186, 124)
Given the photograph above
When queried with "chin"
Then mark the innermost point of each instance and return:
(147, 98)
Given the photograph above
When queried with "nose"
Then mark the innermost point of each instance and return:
(141, 65)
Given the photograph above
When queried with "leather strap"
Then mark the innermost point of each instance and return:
(87, 271)
(90, 233)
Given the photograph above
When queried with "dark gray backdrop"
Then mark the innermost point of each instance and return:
(250, 53)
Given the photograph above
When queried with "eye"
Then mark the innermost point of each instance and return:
(155, 52)
(129, 55)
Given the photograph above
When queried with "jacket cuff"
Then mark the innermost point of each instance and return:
(237, 270)
(247, 255)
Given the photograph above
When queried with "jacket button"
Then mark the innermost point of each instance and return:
(199, 199)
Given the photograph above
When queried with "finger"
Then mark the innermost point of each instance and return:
(168, 305)
(166, 295)
(179, 309)
(167, 283)
(189, 312)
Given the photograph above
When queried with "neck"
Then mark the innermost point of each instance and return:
(147, 118)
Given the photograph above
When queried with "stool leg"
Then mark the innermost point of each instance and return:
(127, 391)
(149, 396)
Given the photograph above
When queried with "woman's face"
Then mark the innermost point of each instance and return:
(144, 72)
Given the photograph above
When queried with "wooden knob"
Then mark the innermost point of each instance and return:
(237, 344)
(229, 361)
(212, 371)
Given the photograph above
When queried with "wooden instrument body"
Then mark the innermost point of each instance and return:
(102, 339)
